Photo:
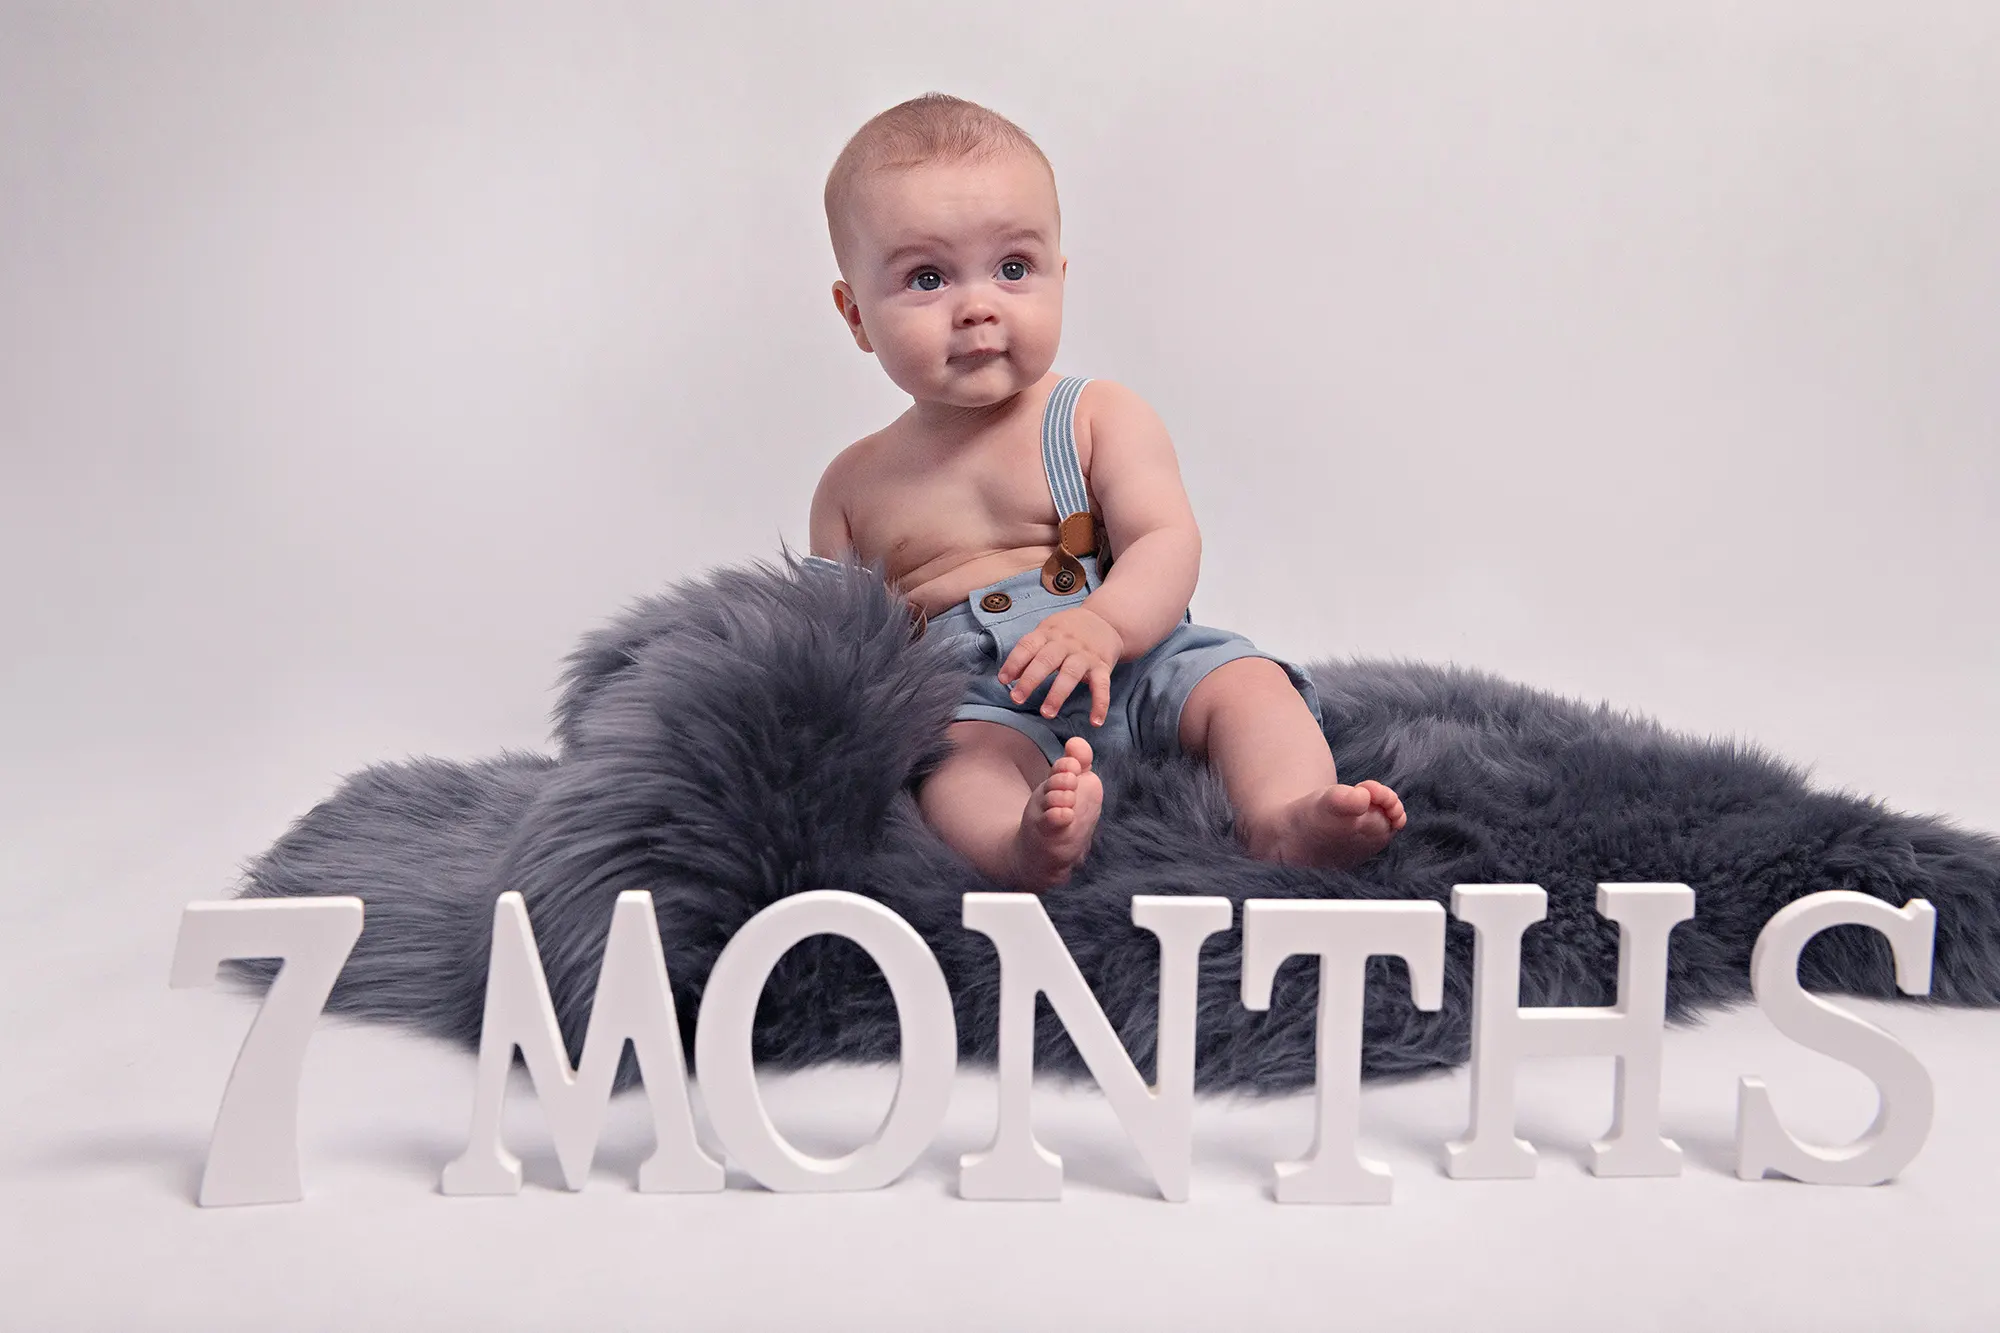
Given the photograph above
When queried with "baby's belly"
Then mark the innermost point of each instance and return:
(939, 590)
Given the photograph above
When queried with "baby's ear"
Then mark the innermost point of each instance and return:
(850, 313)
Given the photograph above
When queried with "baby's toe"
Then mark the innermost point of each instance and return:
(1349, 801)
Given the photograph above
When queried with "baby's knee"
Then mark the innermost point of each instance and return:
(1241, 682)
(984, 750)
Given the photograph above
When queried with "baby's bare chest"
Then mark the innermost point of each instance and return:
(927, 513)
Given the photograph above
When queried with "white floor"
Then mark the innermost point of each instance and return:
(114, 1081)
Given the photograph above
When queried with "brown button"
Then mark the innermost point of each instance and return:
(1062, 573)
(996, 602)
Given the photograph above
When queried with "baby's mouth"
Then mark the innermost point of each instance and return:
(978, 358)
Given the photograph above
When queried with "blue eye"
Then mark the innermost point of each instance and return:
(1007, 267)
(919, 276)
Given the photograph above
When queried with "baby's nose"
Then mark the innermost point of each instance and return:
(976, 304)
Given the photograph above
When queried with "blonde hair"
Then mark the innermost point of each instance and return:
(935, 127)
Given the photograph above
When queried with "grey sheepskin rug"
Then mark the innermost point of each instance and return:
(754, 734)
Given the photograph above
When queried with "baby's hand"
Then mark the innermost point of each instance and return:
(1075, 644)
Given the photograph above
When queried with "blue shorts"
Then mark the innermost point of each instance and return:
(1147, 694)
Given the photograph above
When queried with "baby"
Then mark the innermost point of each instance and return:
(996, 505)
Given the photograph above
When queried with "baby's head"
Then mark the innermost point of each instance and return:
(948, 238)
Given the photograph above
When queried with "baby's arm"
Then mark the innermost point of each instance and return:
(828, 535)
(1151, 527)
(1137, 480)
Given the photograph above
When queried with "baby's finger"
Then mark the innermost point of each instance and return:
(1036, 672)
(1100, 695)
(1059, 690)
(1024, 653)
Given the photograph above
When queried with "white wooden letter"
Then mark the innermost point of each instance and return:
(1033, 960)
(253, 1154)
(1907, 1100)
(633, 1000)
(1344, 934)
(723, 1060)
(1503, 1032)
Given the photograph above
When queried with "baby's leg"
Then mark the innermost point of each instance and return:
(1006, 810)
(1258, 734)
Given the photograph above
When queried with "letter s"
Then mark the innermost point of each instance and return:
(1904, 1086)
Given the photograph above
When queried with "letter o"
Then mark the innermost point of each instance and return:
(728, 1077)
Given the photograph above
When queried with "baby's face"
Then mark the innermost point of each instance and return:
(955, 279)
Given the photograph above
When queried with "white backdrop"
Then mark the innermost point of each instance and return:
(354, 359)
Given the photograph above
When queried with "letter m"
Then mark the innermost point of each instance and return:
(633, 1003)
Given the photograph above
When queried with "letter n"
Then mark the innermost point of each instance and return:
(1033, 960)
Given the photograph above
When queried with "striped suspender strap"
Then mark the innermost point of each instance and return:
(1059, 459)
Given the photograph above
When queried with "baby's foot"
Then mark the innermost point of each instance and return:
(1059, 820)
(1337, 826)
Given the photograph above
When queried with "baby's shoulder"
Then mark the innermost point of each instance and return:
(1108, 398)
(1107, 409)
(850, 464)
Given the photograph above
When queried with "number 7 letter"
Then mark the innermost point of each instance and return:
(253, 1156)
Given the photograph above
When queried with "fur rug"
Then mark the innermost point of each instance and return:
(753, 733)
